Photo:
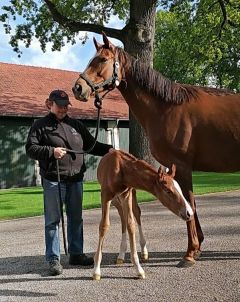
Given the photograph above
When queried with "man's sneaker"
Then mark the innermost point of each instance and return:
(55, 268)
(80, 260)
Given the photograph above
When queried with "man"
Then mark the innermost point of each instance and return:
(48, 139)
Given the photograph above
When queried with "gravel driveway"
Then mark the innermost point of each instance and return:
(215, 277)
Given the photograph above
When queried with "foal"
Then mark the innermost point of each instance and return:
(118, 173)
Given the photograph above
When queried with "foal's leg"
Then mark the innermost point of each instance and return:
(123, 246)
(103, 228)
(195, 234)
(126, 199)
(137, 215)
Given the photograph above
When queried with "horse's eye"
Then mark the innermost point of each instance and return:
(104, 60)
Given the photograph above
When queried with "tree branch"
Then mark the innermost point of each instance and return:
(224, 13)
(225, 17)
(74, 26)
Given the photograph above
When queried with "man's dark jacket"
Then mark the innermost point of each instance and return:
(47, 133)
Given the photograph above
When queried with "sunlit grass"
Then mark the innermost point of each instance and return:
(215, 182)
(26, 202)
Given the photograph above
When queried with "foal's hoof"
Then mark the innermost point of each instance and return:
(119, 261)
(197, 254)
(144, 257)
(96, 277)
(184, 263)
(141, 276)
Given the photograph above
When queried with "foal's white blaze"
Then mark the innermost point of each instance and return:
(178, 188)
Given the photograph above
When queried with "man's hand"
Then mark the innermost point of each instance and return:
(59, 152)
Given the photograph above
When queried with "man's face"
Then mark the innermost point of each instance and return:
(59, 111)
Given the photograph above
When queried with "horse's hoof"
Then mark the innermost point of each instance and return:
(184, 263)
(197, 254)
(96, 277)
(144, 257)
(141, 276)
(119, 261)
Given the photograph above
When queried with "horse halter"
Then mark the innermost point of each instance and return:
(108, 84)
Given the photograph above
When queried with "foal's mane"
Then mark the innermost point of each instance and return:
(137, 161)
(163, 88)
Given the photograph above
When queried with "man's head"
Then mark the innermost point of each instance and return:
(59, 97)
(58, 102)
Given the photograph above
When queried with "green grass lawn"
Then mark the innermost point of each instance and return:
(26, 202)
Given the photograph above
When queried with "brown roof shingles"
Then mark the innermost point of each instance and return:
(24, 89)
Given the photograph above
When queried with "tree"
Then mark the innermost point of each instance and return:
(59, 22)
(198, 43)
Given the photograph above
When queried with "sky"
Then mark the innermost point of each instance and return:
(71, 57)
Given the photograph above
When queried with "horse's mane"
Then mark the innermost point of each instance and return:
(165, 89)
(216, 91)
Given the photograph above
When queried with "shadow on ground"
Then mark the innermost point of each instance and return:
(37, 264)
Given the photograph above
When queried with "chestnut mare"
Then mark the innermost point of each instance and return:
(194, 127)
(119, 174)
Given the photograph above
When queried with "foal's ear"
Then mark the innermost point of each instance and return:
(160, 172)
(97, 45)
(172, 171)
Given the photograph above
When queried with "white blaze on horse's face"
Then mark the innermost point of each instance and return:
(189, 211)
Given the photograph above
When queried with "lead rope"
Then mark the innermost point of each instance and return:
(61, 208)
(98, 104)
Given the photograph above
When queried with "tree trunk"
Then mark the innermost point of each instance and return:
(138, 142)
(137, 37)
(138, 41)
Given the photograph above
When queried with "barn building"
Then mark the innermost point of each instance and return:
(23, 91)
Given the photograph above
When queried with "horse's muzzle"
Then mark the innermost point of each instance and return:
(77, 91)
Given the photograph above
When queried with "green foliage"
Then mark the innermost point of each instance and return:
(195, 45)
(34, 19)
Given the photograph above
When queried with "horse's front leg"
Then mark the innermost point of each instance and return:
(137, 215)
(103, 228)
(199, 232)
(126, 199)
(123, 246)
(195, 234)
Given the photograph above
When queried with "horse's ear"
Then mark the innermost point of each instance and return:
(172, 171)
(97, 45)
(105, 40)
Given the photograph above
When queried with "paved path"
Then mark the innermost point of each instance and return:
(216, 277)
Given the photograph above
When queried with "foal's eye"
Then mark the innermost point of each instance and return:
(167, 191)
